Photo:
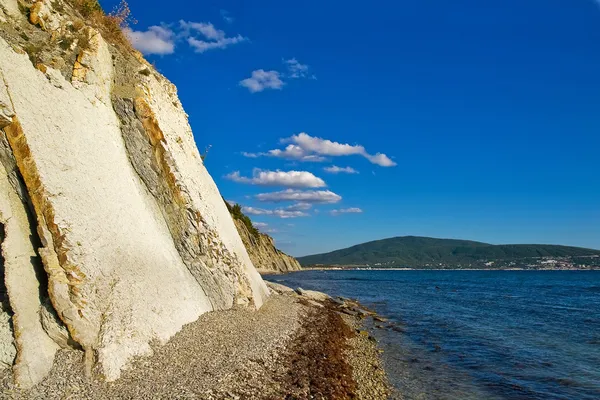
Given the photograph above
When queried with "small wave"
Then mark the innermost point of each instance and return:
(566, 382)
(353, 278)
(556, 307)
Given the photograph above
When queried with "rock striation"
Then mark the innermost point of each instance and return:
(263, 253)
(113, 233)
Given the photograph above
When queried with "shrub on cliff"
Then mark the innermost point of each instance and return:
(236, 212)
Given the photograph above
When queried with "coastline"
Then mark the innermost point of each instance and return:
(425, 269)
(300, 343)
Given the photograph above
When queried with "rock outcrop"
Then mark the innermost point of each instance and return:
(263, 253)
(114, 235)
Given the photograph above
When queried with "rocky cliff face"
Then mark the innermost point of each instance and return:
(113, 233)
(263, 253)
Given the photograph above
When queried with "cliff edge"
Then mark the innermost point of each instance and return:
(261, 247)
(113, 233)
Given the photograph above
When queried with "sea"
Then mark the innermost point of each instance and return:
(478, 334)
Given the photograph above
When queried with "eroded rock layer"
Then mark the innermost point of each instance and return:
(263, 253)
(114, 234)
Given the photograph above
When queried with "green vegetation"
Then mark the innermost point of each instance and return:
(236, 212)
(412, 251)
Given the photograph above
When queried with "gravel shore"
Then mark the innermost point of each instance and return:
(292, 348)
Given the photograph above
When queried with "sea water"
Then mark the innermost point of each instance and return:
(479, 334)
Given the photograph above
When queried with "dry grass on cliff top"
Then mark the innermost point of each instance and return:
(111, 24)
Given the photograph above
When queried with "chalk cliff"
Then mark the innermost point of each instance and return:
(113, 233)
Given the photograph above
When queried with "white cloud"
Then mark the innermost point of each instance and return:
(295, 69)
(291, 152)
(161, 40)
(261, 80)
(380, 159)
(226, 17)
(309, 196)
(200, 46)
(304, 147)
(207, 29)
(278, 212)
(155, 40)
(215, 38)
(353, 210)
(334, 169)
(264, 227)
(294, 152)
(324, 147)
(294, 179)
(301, 206)
(252, 155)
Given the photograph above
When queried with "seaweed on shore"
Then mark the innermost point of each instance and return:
(317, 367)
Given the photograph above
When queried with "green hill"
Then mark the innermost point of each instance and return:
(413, 251)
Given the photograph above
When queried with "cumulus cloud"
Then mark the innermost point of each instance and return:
(294, 179)
(252, 155)
(154, 40)
(291, 152)
(353, 210)
(302, 206)
(294, 152)
(380, 159)
(161, 39)
(200, 46)
(297, 70)
(278, 212)
(334, 169)
(207, 29)
(311, 144)
(264, 227)
(213, 38)
(308, 196)
(261, 80)
(304, 147)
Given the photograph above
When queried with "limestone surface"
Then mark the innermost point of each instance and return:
(10, 8)
(21, 266)
(115, 234)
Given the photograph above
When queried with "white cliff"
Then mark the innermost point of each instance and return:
(113, 228)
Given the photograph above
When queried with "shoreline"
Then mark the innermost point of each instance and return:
(302, 344)
(428, 269)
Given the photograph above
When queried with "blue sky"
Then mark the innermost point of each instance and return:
(470, 119)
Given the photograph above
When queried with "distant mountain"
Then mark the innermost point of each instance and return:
(414, 251)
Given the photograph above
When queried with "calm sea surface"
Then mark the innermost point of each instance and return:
(479, 334)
